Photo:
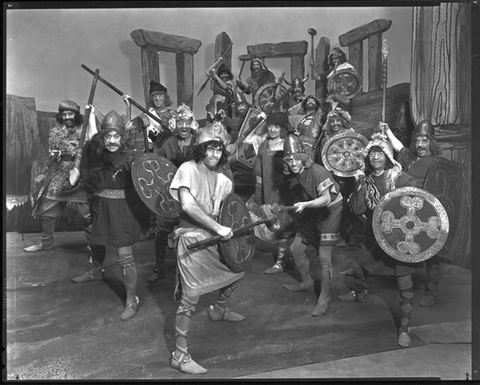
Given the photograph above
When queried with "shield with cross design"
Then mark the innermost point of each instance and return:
(152, 175)
(410, 224)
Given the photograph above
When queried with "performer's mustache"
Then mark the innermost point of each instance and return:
(421, 148)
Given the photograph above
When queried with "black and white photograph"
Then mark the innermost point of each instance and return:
(239, 191)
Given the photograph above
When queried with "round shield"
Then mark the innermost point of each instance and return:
(342, 154)
(265, 97)
(152, 175)
(410, 224)
(346, 82)
(237, 251)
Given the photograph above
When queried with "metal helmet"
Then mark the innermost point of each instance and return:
(215, 131)
(113, 121)
(424, 128)
(292, 146)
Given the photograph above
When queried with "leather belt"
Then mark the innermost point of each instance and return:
(111, 194)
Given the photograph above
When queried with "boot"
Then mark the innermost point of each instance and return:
(433, 276)
(97, 256)
(229, 316)
(130, 280)
(279, 267)
(185, 364)
(321, 307)
(91, 275)
(404, 339)
(161, 244)
(131, 308)
(324, 299)
(48, 228)
(303, 266)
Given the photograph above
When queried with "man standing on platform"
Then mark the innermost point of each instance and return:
(261, 75)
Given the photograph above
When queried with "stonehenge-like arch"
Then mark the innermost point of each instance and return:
(152, 43)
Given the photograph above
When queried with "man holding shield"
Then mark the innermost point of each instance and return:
(200, 186)
(417, 162)
(383, 174)
(117, 211)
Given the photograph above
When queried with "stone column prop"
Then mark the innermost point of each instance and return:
(152, 43)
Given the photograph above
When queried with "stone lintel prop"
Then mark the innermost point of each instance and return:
(165, 42)
(278, 50)
(364, 31)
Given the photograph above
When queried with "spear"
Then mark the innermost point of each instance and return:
(384, 78)
(210, 76)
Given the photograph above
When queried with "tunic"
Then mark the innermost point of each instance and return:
(201, 270)
(117, 210)
(319, 226)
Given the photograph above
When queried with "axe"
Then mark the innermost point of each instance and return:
(267, 217)
(276, 208)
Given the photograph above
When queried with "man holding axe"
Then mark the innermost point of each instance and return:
(200, 186)
(317, 202)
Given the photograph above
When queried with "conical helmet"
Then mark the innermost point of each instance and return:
(113, 121)
(293, 145)
(424, 128)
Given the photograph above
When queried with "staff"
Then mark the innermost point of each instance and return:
(111, 86)
(78, 155)
(384, 79)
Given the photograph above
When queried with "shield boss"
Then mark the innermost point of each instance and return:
(237, 251)
(342, 154)
(410, 224)
(152, 175)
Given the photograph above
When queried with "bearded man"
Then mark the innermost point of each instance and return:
(118, 213)
(307, 122)
(260, 75)
(60, 181)
(200, 186)
(417, 161)
(158, 106)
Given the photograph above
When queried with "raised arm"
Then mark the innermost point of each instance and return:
(397, 145)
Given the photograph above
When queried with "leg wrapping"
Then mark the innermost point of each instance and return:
(405, 287)
(182, 323)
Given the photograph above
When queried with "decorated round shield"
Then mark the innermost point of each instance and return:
(346, 82)
(152, 175)
(342, 154)
(410, 224)
(265, 98)
(237, 251)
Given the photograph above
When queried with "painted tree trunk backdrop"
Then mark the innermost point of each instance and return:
(440, 72)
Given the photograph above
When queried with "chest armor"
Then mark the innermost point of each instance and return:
(308, 130)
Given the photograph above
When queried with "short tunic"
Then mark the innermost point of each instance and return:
(201, 270)
(116, 222)
(319, 227)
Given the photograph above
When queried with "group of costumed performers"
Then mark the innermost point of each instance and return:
(313, 205)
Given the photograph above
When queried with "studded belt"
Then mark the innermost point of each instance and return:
(111, 194)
